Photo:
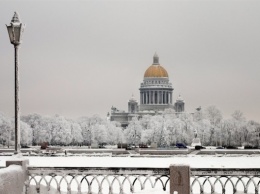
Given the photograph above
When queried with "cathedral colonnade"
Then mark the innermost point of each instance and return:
(156, 97)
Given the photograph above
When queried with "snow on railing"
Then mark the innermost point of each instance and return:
(11, 179)
(129, 180)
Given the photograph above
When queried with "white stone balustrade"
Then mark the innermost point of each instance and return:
(14, 176)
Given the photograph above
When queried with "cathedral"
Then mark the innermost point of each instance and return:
(155, 96)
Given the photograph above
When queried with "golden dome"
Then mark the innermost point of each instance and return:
(155, 71)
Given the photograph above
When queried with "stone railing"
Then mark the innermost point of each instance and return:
(224, 180)
(13, 177)
(178, 179)
(97, 180)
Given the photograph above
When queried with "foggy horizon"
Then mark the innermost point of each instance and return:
(80, 58)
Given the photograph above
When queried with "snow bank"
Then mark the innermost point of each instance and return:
(11, 179)
(44, 190)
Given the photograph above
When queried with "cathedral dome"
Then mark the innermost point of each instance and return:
(155, 70)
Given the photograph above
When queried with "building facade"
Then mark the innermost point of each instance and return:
(156, 95)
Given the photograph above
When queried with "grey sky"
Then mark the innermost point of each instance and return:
(81, 57)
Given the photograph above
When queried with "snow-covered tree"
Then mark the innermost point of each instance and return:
(133, 131)
(238, 116)
(35, 121)
(61, 131)
(173, 132)
(254, 133)
(88, 126)
(26, 134)
(114, 133)
(187, 128)
(214, 116)
(154, 133)
(84, 123)
(198, 115)
(76, 133)
(6, 130)
(203, 131)
(99, 133)
(145, 121)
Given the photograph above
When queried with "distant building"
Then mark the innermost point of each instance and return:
(155, 96)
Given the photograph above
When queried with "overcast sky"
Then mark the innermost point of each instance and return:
(78, 58)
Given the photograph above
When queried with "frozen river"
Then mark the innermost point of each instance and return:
(195, 161)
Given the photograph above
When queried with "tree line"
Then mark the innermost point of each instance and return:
(170, 128)
(166, 129)
(58, 130)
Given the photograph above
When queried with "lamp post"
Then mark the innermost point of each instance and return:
(15, 31)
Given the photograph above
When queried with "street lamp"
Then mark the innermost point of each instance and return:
(15, 31)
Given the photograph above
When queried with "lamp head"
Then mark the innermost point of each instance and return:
(15, 30)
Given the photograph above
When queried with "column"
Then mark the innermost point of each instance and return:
(156, 97)
(169, 98)
(143, 98)
(159, 97)
(150, 97)
(164, 97)
(153, 97)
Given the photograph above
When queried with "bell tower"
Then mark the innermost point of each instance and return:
(179, 104)
(132, 105)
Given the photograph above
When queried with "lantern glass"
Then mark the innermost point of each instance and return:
(15, 33)
(10, 32)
